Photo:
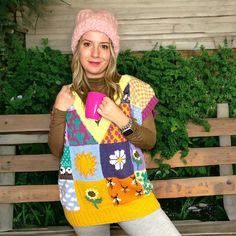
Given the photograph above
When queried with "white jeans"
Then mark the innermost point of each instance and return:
(155, 224)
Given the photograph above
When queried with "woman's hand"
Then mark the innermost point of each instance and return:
(109, 110)
(64, 99)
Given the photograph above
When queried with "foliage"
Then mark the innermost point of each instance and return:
(33, 79)
(179, 97)
(197, 208)
(9, 25)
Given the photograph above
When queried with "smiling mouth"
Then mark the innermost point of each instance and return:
(95, 62)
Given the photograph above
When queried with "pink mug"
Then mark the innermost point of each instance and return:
(94, 99)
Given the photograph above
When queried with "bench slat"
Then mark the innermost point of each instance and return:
(29, 163)
(24, 123)
(200, 186)
(40, 122)
(219, 127)
(48, 162)
(30, 138)
(29, 193)
(198, 157)
(172, 188)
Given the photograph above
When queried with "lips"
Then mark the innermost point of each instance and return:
(95, 63)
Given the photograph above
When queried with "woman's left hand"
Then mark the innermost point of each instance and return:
(109, 110)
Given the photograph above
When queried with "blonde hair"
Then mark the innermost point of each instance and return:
(80, 82)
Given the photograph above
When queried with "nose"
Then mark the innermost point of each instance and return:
(95, 51)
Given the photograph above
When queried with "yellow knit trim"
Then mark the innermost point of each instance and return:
(98, 130)
(112, 214)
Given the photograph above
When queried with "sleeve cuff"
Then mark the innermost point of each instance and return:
(150, 107)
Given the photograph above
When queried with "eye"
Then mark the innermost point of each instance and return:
(86, 44)
(68, 170)
(62, 170)
(105, 46)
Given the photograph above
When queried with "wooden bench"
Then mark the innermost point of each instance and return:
(24, 129)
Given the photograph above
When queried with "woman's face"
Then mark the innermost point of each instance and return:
(94, 53)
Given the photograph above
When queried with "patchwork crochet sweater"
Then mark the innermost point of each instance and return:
(102, 175)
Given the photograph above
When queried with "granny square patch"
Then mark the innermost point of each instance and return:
(86, 163)
(124, 190)
(142, 178)
(137, 113)
(77, 132)
(137, 158)
(125, 107)
(116, 160)
(141, 93)
(67, 195)
(65, 165)
(93, 195)
(113, 134)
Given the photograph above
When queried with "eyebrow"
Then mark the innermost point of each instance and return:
(93, 41)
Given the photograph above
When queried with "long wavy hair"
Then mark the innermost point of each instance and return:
(80, 82)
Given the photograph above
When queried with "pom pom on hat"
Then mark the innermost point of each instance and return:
(102, 21)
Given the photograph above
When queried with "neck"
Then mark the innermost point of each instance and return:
(96, 81)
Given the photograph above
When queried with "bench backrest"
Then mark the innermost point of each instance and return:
(25, 129)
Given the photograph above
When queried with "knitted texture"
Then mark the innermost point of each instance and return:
(103, 178)
(102, 21)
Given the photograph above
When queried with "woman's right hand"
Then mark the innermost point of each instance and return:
(64, 99)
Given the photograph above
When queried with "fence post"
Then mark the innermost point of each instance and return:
(6, 210)
(225, 141)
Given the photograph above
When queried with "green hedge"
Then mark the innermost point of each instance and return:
(187, 88)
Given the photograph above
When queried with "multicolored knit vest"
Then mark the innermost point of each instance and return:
(102, 175)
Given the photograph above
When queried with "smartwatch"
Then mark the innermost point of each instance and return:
(127, 130)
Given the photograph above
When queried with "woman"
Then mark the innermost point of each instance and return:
(102, 177)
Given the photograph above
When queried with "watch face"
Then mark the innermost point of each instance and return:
(127, 132)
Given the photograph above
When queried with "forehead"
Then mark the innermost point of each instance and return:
(95, 36)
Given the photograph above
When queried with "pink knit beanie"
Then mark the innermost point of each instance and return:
(102, 21)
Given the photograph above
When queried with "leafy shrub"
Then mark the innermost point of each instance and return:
(33, 79)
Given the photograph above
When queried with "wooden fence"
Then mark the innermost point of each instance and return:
(144, 24)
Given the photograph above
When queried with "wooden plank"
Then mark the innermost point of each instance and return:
(168, 18)
(53, 231)
(197, 157)
(17, 123)
(205, 186)
(201, 186)
(64, 24)
(225, 141)
(29, 193)
(29, 163)
(15, 139)
(142, 27)
(219, 127)
(207, 28)
(130, 4)
(6, 210)
(148, 11)
(22, 123)
(187, 227)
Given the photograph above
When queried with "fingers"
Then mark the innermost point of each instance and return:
(64, 99)
(67, 90)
